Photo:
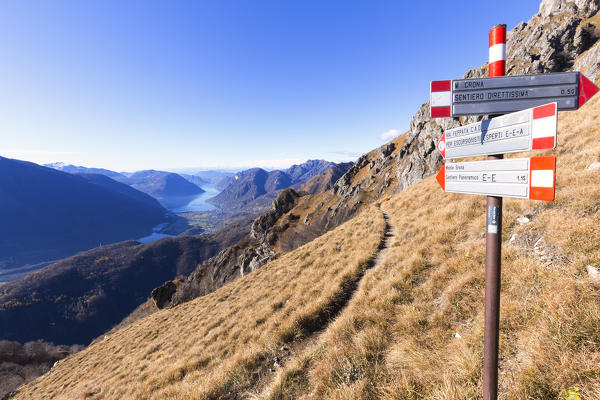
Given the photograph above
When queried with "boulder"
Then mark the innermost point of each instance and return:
(162, 295)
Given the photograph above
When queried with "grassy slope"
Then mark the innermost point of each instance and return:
(397, 339)
(223, 342)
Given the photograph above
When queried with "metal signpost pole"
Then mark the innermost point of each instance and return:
(493, 243)
(533, 102)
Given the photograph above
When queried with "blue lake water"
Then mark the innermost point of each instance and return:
(181, 205)
(198, 203)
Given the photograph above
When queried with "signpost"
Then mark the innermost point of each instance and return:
(461, 97)
(531, 129)
(522, 178)
(533, 101)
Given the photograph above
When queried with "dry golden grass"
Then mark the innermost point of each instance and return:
(398, 339)
(413, 328)
(224, 342)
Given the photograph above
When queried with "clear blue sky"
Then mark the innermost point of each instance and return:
(130, 85)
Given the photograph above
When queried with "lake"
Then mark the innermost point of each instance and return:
(197, 203)
(181, 205)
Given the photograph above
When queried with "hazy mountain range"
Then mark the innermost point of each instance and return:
(48, 214)
(162, 185)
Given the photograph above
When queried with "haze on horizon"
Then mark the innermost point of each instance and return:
(226, 84)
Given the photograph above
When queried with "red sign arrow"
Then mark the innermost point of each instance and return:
(586, 89)
(441, 177)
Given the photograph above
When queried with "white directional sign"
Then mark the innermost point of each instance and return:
(531, 129)
(504, 94)
(524, 178)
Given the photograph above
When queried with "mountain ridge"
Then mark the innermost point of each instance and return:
(249, 185)
(159, 184)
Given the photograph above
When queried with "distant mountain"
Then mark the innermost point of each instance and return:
(277, 180)
(302, 172)
(325, 180)
(196, 180)
(213, 177)
(250, 185)
(48, 214)
(122, 188)
(161, 184)
(224, 182)
(245, 187)
(75, 169)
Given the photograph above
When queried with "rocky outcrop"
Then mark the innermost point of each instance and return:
(285, 201)
(229, 264)
(552, 39)
(585, 8)
(162, 295)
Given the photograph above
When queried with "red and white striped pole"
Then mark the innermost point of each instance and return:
(493, 243)
(497, 59)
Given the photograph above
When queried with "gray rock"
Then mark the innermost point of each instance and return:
(593, 272)
(594, 165)
(285, 201)
(585, 8)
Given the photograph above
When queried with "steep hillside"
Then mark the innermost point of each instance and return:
(412, 327)
(203, 348)
(48, 214)
(415, 327)
(78, 298)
